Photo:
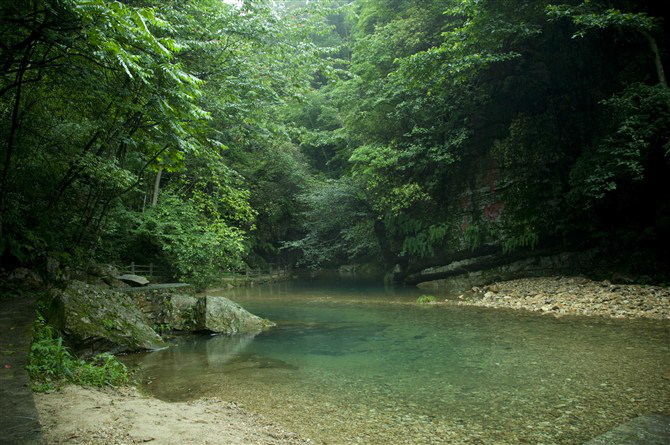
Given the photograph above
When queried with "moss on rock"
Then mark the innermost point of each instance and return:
(95, 319)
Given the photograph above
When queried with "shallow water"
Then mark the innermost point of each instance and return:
(351, 362)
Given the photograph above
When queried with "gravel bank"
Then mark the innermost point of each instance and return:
(561, 296)
(88, 416)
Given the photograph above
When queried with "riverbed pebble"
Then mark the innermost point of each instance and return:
(561, 296)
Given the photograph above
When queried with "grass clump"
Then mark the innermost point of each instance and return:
(425, 299)
(51, 364)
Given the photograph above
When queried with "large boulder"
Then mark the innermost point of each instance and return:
(180, 312)
(96, 319)
(170, 309)
(167, 309)
(219, 314)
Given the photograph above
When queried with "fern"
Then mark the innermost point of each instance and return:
(527, 238)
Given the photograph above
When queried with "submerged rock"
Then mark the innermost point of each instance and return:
(95, 319)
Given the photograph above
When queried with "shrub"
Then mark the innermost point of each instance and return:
(425, 299)
(51, 364)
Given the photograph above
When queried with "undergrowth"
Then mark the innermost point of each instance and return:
(52, 364)
(426, 299)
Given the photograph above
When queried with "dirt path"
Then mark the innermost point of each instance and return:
(79, 416)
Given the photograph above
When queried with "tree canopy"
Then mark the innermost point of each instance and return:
(204, 135)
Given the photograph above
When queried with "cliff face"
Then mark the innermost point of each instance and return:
(460, 276)
(475, 207)
(476, 252)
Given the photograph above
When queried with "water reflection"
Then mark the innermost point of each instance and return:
(194, 352)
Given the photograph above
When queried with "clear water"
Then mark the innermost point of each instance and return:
(351, 362)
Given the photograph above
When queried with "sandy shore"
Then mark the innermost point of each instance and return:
(561, 296)
(79, 416)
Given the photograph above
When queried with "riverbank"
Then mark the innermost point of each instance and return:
(87, 416)
(560, 296)
(84, 416)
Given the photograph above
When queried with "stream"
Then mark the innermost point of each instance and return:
(353, 362)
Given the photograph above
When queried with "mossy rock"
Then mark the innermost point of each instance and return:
(181, 312)
(95, 319)
(186, 312)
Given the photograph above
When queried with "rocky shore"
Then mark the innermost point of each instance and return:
(560, 296)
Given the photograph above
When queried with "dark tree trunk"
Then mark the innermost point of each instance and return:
(384, 244)
(660, 72)
(12, 134)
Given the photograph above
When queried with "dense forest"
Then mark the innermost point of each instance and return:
(204, 135)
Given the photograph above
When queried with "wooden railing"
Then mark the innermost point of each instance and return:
(147, 270)
(153, 270)
(249, 272)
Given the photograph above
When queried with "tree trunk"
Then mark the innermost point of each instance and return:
(157, 186)
(657, 59)
(384, 244)
(12, 133)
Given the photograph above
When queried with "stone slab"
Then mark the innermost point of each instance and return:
(653, 429)
(148, 287)
(19, 424)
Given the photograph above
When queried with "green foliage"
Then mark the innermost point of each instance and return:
(639, 131)
(419, 241)
(187, 235)
(100, 97)
(426, 299)
(563, 127)
(97, 96)
(473, 236)
(522, 236)
(337, 225)
(162, 328)
(401, 104)
(593, 15)
(533, 170)
(276, 176)
(51, 364)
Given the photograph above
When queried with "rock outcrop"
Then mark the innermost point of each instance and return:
(184, 312)
(219, 314)
(95, 319)
(133, 280)
(460, 276)
(167, 308)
